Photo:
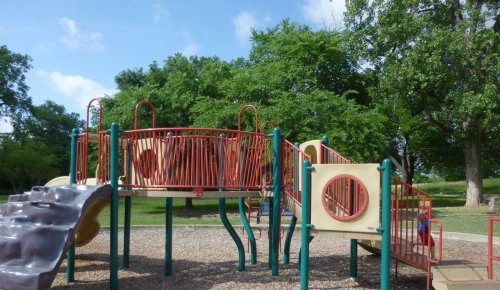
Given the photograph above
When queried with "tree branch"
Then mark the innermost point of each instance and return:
(439, 125)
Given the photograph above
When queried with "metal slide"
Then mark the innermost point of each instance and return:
(37, 229)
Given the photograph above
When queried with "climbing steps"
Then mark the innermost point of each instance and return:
(459, 275)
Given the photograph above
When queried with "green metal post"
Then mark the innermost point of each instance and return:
(223, 214)
(353, 260)
(288, 240)
(128, 209)
(325, 142)
(168, 236)
(248, 230)
(306, 224)
(232, 232)
(115, 155)
(269, 234)
(169, 206)
(70, 259)
(385, 229)
(275, 233)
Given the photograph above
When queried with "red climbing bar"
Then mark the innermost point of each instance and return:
(330, 156)
(491, 257)
(291, 157)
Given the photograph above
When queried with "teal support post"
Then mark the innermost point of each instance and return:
(288, 240)
(353, 259)
(232, 232)
(325, 142)
(306, 224)
(249, 231)
(70, 258)
(275, 232)
(353, 262)
(385, 229)
(223, 214)
(269, 235)
(114, 172)
(168, 236)
(128, 209)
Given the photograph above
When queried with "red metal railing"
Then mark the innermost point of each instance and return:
(195, 158)
(291, 158)
(409, 207)
(491, 257)
(82, 146)
(330, 156)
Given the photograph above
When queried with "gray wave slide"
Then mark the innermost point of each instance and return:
(36, 230)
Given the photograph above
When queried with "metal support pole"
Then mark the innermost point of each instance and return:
(269, 234)
(232, 232)
(275, 233)
(70, 258)
(353, 259)
(249, 231)
(128, 209)
(385, 229)
(115, 155)
(306, 224)
(288, 240)
(168, 236)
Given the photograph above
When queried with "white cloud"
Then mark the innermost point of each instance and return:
(243, 24)
(75, 39)
(80, 89)
(159, 12)
(327, 14)
(5, 125)
(191, 48)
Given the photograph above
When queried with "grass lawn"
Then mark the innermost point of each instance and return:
(490, 186)
(448, 209)
(151, 211)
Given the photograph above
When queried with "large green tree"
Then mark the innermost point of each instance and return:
(13, 89)
(439, 58)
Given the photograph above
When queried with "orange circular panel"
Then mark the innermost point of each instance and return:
(147, 163)
(344, 197)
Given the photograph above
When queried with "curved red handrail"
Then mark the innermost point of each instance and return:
(256, 117)
(88, 114)
(276, 125)
(137, 113)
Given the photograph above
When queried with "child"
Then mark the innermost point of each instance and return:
(423, 231)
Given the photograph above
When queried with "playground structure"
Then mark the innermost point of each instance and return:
(322, 189)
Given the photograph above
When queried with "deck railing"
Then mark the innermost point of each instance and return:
(194, 158)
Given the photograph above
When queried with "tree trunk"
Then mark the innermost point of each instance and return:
(189, 203)
(473, 178)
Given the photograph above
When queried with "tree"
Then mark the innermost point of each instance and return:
(13, 89)
(441, 59)
(49, 124)
(25, 163)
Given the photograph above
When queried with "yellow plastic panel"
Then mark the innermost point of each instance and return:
(369, 220)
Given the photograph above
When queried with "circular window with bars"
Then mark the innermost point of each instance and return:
(345, 197)
(148, 163)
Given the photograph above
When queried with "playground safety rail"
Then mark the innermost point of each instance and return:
(191, 158)
(330, 156)
(291, 155)
(491, 257)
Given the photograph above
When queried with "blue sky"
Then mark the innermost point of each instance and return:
(78, 47)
